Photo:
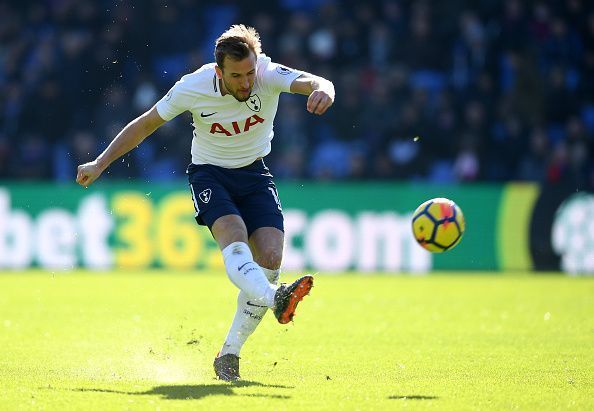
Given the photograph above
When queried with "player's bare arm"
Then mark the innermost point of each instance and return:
(130, 136)
(320, 92)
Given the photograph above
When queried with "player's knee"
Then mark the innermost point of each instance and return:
(270, 258)
(229, 229)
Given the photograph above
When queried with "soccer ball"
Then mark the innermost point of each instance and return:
(438, 225)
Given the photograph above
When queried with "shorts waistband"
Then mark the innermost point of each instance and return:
(259, 161)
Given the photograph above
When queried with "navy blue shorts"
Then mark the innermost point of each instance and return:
(248, 192)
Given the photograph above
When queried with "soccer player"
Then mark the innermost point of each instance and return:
(233, 104)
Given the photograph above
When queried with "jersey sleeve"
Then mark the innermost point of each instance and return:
(176, 101)
(276, 78)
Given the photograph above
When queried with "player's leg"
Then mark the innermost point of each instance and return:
(266, 244)
(256, 293)
(213, 190)
(260, 209)
(216, 209)
(231, 234)
(262, 212)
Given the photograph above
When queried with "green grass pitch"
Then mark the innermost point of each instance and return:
(146, 340)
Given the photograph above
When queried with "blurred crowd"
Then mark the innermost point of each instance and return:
(451, 91)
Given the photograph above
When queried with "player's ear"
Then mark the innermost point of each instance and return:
(219, 72)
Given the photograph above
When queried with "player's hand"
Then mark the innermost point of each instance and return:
(87, 173)
(319, 101)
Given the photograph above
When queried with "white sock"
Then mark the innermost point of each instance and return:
(272, 275)
(247, 275)
(246, 320)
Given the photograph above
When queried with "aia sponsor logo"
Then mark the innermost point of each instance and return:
(236, 127)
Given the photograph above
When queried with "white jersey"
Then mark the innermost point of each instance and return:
(229, 133)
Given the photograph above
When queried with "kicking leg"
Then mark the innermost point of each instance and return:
(231, 234)
(267, 246)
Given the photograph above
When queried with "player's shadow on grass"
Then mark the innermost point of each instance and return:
(198, 391)
(412, 397)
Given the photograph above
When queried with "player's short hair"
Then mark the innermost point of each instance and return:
(236, 43)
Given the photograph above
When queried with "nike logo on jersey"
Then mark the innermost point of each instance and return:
(256, 305)
(207, 115)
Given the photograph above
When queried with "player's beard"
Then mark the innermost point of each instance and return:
(242, 98)
(236, 95)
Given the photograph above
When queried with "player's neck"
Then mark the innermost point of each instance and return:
(222, 87)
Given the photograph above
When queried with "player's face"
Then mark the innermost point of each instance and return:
(238, 76)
